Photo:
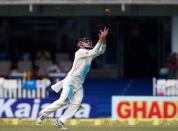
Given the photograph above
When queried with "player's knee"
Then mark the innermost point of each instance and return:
(78, 106)
(63, 102)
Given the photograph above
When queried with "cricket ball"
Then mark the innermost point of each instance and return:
(107, 10)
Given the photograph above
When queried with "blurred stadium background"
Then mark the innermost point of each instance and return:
(135, 83)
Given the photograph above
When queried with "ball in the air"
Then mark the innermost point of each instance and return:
(107, 10)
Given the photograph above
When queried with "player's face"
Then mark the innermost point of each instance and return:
(86, 43)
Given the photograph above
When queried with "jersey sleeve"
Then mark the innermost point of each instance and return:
(102, 50)
(90, 53)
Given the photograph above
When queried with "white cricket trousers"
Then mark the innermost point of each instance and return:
(72, 92)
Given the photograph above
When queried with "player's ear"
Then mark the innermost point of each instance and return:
(81, 45)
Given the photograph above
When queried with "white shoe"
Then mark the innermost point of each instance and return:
(40, 119)
(59, 124)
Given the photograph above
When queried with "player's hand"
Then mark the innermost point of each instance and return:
(103, 33)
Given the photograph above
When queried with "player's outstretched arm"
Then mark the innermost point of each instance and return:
(101, 44)
(101, 50)
(98, 49)
(102, 40)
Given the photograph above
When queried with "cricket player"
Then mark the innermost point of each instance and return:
(72, 84)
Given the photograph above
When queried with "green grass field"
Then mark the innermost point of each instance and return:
(86, 128)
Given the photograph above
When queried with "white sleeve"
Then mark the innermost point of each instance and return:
(101, 51)
(87, 53)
